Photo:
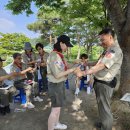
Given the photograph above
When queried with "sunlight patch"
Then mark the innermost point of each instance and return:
(80, 116)
(76, 104)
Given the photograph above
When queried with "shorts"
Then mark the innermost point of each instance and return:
(57, 93)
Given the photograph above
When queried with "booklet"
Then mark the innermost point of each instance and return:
(6, 87)
(126, 97)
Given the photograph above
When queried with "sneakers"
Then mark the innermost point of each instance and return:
(77, 91)
(60, 126)
(37, 98)
(28, 105)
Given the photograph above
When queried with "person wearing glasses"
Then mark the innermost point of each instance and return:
(105, 71)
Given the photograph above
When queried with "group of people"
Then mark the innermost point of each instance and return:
(57, 70)
(26, 71)
(104, 72)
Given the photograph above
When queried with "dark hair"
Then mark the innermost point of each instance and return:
(57, 47)
(15, 55)
(85, 56)
(39, 45)
(107, 31)
(30, 50)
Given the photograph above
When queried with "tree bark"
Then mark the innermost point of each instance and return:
(121, 24)
(125, 69)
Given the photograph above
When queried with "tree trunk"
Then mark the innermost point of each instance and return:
(121, 23)
(125, 69)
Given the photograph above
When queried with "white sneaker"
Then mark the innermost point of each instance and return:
(77, 91)
(37, 98)
(30, 105)
(24, 105)
(60, 126)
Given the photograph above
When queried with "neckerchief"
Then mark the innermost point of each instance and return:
(29, 56)
(62, 58)
(18, 65)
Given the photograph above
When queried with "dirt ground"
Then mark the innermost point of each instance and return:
(79, 113)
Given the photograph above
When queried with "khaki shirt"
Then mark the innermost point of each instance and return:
(2, 73)
(55, 66)
(26, 59)
(14, 68)
(112, 60)
(45, 56)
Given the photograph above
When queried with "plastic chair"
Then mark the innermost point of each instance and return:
(67, 84)
(82, 83)
(21, 97)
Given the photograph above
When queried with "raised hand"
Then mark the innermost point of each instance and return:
(29, 69)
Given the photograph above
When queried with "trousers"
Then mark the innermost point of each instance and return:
(103, 95)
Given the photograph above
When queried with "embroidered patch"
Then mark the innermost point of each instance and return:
(109, 55)
(60, 64)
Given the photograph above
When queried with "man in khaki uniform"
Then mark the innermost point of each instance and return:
(104, 74)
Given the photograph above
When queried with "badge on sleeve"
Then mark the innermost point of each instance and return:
(59, 64)
(110, 54)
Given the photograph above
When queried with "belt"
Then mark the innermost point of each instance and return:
(111, 84)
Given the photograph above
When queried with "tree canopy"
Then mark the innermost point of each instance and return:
(10, 43)
(95, 13)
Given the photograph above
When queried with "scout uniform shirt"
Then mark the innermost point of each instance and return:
(112, 60)
(44, 57)
(2, 73)
(55, 66)
(14, 68)
(26, 59)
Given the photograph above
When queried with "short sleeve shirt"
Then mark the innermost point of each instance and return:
(112, 61)
(45, 56)
(14, 68)
(26, 59)
(55, 66)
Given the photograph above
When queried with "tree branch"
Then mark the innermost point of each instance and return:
(116, 14)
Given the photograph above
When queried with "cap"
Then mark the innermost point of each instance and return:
(27, 46)
(1, 59)
(65, 39)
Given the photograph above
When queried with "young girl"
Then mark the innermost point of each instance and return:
(57, 74)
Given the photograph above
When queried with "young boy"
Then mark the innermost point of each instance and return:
(83, 67)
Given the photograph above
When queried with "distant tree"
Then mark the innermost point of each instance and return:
(112, 13)
(10, 43)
